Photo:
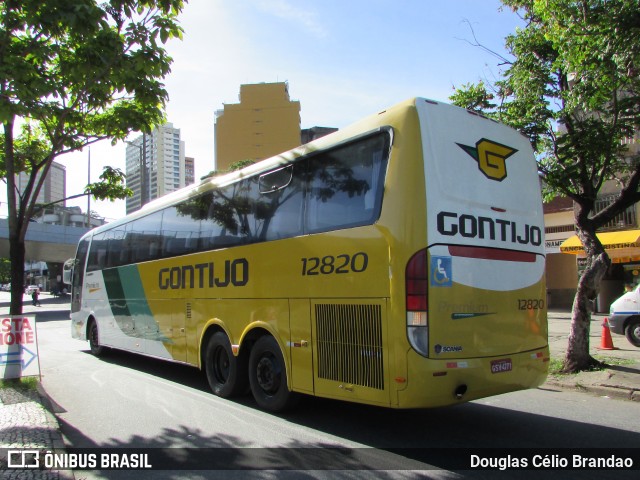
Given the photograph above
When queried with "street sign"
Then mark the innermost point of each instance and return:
(18, 347)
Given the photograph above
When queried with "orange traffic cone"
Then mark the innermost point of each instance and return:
(606, 343)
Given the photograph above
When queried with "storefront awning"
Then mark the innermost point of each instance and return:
(613, 242)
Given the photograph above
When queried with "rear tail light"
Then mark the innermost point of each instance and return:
(416, 282)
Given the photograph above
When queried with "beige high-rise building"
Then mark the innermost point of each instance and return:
(266, 122)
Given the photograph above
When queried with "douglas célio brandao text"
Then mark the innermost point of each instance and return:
(548, 461)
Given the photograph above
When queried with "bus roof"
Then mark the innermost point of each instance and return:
(362, 126)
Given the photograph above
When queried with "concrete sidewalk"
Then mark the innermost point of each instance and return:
(619, 379)
(26, 417)
(26, 422)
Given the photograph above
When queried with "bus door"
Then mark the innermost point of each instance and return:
(349, 354)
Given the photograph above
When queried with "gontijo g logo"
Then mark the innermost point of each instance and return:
(491, 157)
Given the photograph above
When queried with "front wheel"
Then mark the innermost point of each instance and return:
(268, 376)
(94, 339)
(632, 332)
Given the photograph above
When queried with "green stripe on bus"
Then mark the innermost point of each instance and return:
(129, 304)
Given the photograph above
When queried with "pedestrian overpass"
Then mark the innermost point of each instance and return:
(44, 242)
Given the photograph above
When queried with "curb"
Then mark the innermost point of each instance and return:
(57, 443)
(618, 392)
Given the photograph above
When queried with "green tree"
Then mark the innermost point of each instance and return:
(74, 72)
(572, 85)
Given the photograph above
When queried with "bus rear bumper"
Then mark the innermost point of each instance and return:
(434, 383)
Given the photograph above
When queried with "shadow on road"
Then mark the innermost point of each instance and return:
(53, 308)
(395, 440)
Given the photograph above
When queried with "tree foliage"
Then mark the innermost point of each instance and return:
(74, 72)
(572, 86)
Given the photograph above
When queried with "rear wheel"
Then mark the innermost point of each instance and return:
(632, 332)
(226, 373)
(268, 376)
(94, 339)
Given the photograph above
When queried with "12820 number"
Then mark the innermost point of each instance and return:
(338, 264)
(530, 304)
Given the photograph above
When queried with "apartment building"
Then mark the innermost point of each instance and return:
(156, 165)
(266, 122)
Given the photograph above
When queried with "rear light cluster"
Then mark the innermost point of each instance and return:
(416, 282)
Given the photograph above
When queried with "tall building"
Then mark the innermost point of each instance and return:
(266, 122)
(54, 187)
(155, 165)
(189, 170)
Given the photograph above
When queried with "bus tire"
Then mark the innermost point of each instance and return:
(94, 339)
(268, 376)
(226, 373)
(632, 332)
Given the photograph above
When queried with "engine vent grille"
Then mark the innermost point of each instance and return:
(350, 344)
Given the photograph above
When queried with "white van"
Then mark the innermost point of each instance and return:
(624, 316)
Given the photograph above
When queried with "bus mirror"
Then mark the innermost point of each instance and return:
(67, 271)
(276, 180)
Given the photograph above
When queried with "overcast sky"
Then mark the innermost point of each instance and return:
(342, 59)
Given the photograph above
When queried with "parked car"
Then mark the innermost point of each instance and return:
(30, 289)
(624, 316)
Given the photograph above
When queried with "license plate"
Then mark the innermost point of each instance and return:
(502, 365)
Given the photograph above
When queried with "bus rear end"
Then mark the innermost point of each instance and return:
(475, 295)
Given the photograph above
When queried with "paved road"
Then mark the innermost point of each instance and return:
(125, 400)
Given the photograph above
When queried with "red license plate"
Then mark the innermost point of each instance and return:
(502, 365)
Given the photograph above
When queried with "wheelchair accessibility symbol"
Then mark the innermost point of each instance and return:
(441, 272)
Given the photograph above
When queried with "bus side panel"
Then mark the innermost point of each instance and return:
(236, 317)
(116, 299)
(301, 346)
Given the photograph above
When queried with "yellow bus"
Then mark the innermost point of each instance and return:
(398, 262)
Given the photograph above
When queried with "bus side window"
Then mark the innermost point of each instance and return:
(346, 184)
(97, 252)
(219, 228)
(144, 232)
(283, 205)
(182, 226)
(116, 240)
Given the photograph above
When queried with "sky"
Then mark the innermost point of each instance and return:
(342, 59)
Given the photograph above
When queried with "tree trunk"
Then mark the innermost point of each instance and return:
(577, 357)
(17, 253)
